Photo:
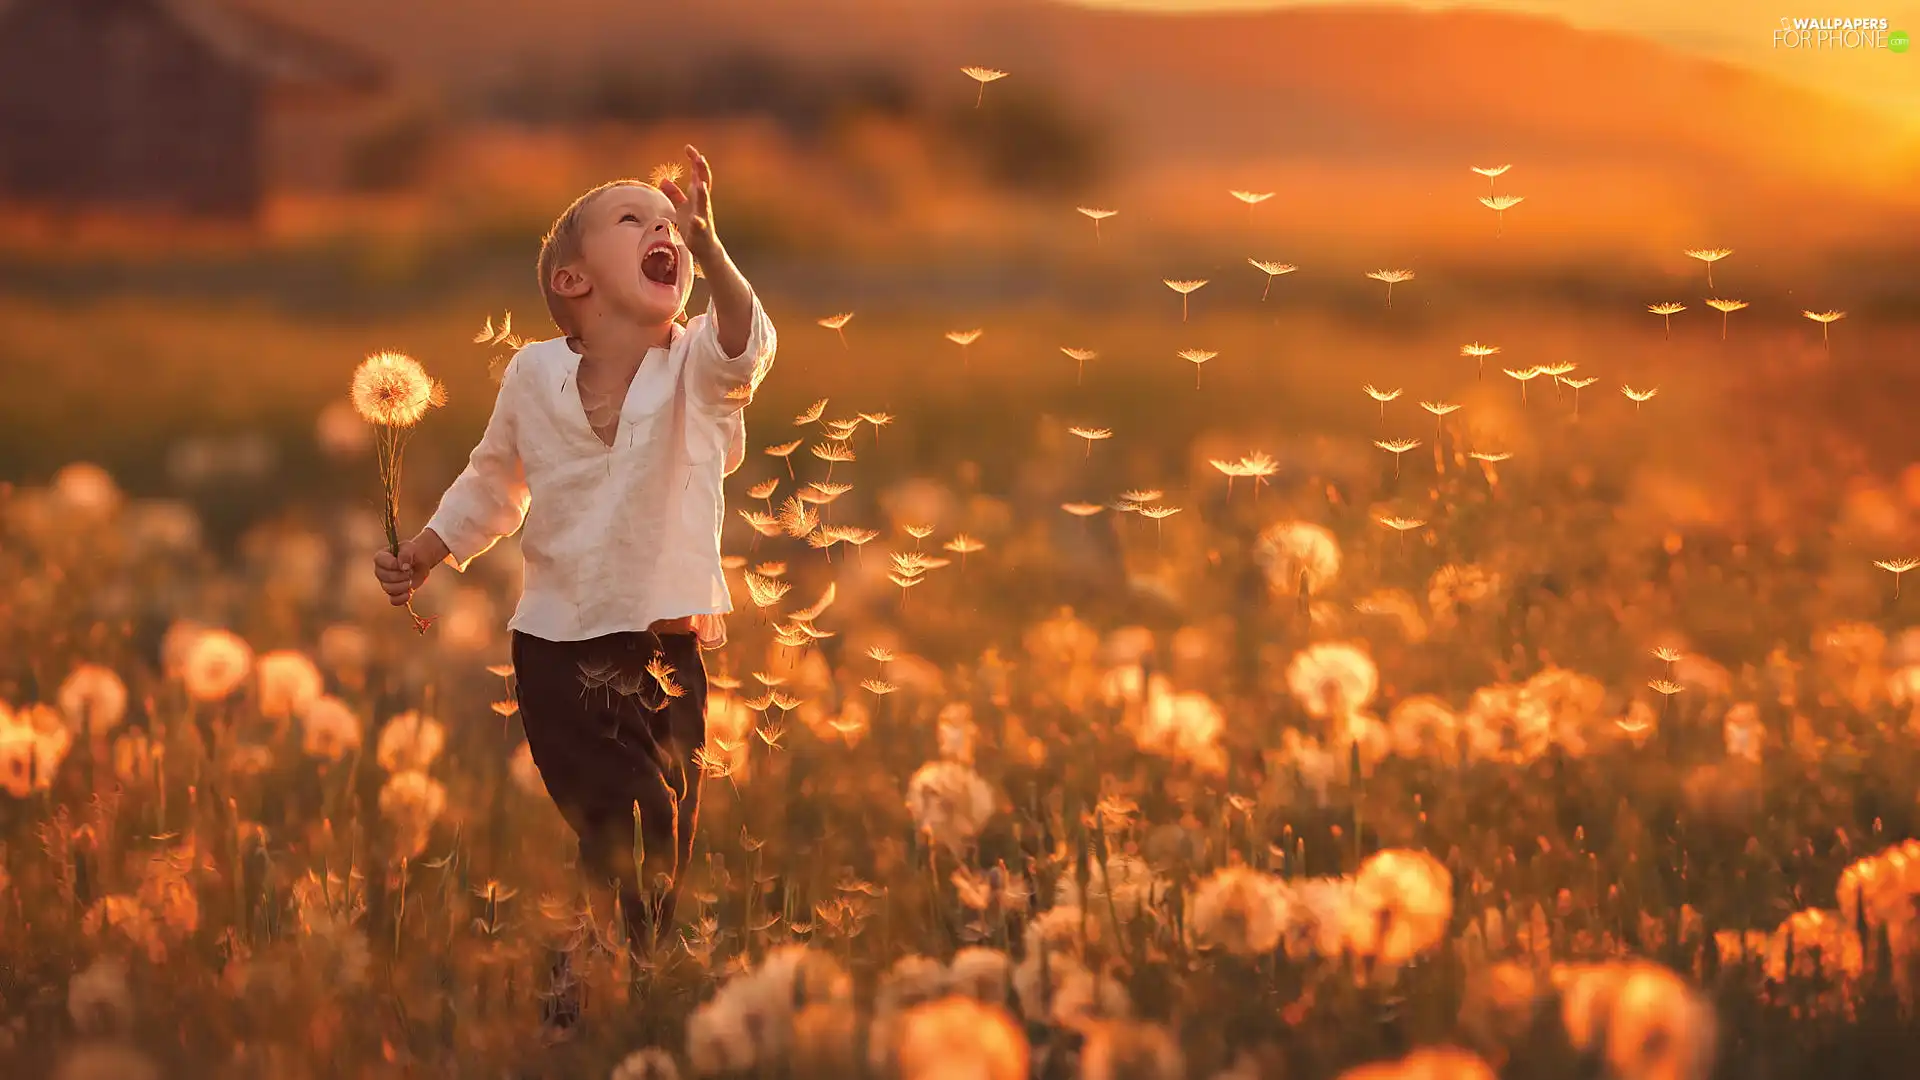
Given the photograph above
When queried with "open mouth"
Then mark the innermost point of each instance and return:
(661, 265)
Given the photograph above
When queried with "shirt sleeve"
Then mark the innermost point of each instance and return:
(723, 384)
(489, 498)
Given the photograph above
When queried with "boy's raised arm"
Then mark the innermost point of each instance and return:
(489, 498)
(732, 350)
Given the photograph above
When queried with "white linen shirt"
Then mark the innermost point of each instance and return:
(616, 537)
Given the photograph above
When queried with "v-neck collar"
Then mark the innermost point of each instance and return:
(577, 409)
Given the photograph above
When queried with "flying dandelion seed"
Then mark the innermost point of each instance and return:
(1272, 270)
(831, 453)
(766, 524)
(1251, 199)
(983, 76)
(1091, 435)
(1826, 319)
(1082, 510)
(813, 414)
(1196, 357)
(1402, 526)
(858, 537)
(1080, 358)
(391, 392)
(877, 688)
(880, 654)
(1725, 308)
(1228, 469)
(1185, 288)
(1392, 278)
(1557, 371)
(784, 452)
(841, 430)
(1487, 462)
(1667, 310)
(905, 581)
(764, 492)
(1668, 656)
(491, 335)
(671, 172)
(877, 420)
(1381, 396)
(1490, 172)
(1578, 385)
(1480, 353)
(1709, 256)
(1898, 568)
(963, 545)
(1396, 447)
(1524, 376)
(765, 591)
(1440, 410)
(1158, 514)
(1665, 687)
(1259, 467)
(1500, 204)
(1638, 396)
(797, 518)
(964, 338)
(1096, 215)
(838, 324)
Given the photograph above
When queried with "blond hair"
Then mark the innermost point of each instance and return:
(561, 246)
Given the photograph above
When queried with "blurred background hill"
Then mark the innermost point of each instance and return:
(411, 154)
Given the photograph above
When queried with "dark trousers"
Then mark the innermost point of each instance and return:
(608, 734)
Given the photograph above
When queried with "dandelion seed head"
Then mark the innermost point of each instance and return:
(391, 389)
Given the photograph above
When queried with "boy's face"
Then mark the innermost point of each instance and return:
(632, 256)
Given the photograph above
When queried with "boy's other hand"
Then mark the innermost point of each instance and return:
(693, 208)
(405, 572)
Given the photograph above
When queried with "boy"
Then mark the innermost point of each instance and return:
(610, 445)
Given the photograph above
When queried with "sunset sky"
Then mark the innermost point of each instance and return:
(1736, 30)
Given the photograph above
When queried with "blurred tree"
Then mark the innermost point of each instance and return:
(1029, 139)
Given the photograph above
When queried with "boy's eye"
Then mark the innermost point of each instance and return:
(624, 218)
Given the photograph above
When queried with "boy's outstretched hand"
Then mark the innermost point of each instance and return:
(693, 208)
(401, 574)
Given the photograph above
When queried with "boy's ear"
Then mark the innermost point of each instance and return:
(570, 282)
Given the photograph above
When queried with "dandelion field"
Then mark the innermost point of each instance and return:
(1341, 696)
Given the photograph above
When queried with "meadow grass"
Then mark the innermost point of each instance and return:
(1179, 819)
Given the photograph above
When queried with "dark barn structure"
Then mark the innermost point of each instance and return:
(153, 105)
